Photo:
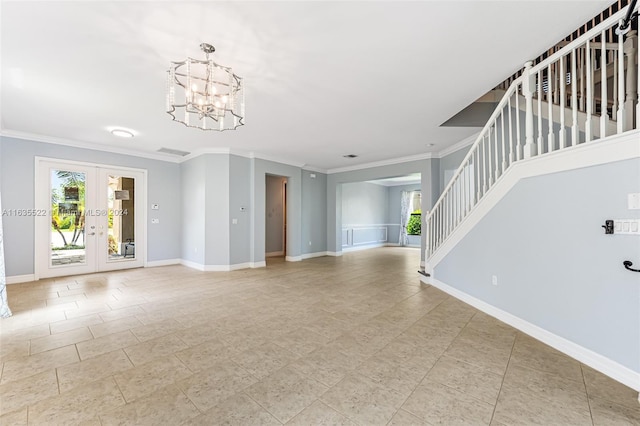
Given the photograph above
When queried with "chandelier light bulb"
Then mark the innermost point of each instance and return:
(220, 103)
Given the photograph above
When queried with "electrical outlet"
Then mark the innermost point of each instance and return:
(309, 242)
(494, 280)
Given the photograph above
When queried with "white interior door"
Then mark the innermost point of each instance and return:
(88, 218)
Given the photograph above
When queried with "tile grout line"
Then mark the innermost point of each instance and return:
(434, 364)
(503, 378)
(586, 391)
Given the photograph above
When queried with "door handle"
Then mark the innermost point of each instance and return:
(92, 233)
(627, 264)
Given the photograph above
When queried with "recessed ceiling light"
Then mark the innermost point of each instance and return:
(121, 133)
(350, 156)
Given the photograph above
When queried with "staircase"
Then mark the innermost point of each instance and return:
(584, 91)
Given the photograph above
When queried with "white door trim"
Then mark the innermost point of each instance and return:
(38, 195)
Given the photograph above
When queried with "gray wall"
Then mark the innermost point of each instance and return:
(217, 223)
(555, 266)
(364, 203)
(395, 198)
(365, 213)
(314, 212)
(193, 179)
(17, 166)
(240, 178)
(274, 211)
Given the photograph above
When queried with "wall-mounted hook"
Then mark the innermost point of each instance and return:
(608, 226)
(627, 264)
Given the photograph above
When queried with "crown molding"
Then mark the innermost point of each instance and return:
(288, 162)
(391, 161)
(204, 151)
(458, 145)
(89, 145)
(229, 151)
(310, 168)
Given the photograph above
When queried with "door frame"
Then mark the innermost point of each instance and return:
(41, 193)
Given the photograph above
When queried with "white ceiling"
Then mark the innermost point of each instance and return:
(323, 79)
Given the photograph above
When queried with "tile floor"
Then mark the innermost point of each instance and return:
(349, 340)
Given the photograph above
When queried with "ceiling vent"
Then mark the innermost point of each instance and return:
(173, 152)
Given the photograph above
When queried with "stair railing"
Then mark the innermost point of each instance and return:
(551, 106)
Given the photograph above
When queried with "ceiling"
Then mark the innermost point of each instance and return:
(323, 79)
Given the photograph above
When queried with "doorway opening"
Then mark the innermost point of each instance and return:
(275, 218)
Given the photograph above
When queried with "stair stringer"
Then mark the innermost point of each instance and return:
(620, 147)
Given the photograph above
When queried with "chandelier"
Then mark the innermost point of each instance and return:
(205, 95)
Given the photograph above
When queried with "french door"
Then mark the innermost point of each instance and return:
(88, 218)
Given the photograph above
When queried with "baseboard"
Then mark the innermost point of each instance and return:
(586, 356)
(192, 265)
(236, 266)
(614, 148)
(362, 247)
(317, 254)
(334, 253)
(274, 253)
(17, 279)
(293, 258)
(166, 262)
(262, 264)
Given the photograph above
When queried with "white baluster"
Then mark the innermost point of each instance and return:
(589, 98)
(562, 82)
(476, 172)
(528, 88)
(540, 112)
(495, 149)
(490, 158)
(632, 81)
(504, 144)
(574, 100)
(550, 144)
(484, 167)
(583, 68)
(604, 113)
(614, 89)
(621, 117)
(518, 138)
(510, 130)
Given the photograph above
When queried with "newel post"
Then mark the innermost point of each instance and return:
(631, 95)
(528, 88)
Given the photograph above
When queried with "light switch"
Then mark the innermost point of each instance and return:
(154, 207)
(234, 221)
(155, 221)
(634, 201)
(627, 226)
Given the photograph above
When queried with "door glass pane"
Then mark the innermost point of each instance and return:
(67, 217)
(121, 218)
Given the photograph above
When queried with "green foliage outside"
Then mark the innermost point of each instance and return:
(414, 226)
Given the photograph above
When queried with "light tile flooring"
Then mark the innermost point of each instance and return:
(349, 340)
